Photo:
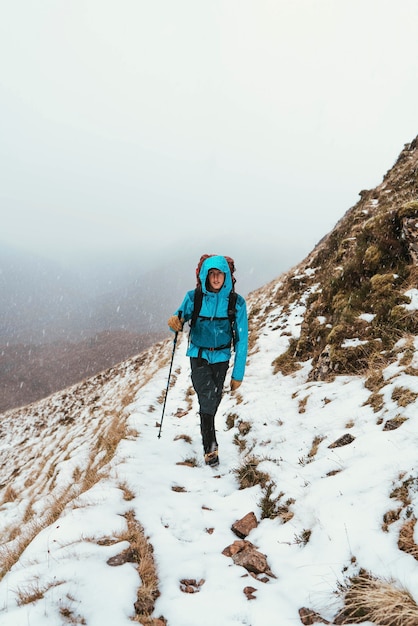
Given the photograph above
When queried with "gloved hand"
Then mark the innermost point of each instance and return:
(175, 323)
(235, 384)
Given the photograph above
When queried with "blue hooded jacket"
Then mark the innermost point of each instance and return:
(212, 332)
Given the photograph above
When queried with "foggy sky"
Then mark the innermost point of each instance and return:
(131, 126)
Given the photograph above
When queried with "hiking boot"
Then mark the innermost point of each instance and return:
(212, 458)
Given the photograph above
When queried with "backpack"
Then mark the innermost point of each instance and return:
(198, 295)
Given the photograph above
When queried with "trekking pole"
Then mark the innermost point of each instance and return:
(169, 376)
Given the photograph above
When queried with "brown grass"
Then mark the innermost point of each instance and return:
(403, 396)
(249, 475)
(9, 495)
(240, 442)
(376, 401)
(406, 541)
(106, 443)
(302, 404)
(315, 445)
(286, 363)
(103, 452)
(35, 592)
(128, 494)
(148, 591)
(375, 381)
(381, 602)
(185, 438)
(230, 420)
(244, 428)
(272, 507)
(9, 555)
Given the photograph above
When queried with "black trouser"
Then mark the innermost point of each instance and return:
(208, 380)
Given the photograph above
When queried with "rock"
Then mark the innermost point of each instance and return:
(145, 604)
(309, 617)
(191, 585)
(244, 553)
(249, 592)
(127, 556)
(342, 441)
(323, 368)
(252, 560)
(235, 547)
(244, 526)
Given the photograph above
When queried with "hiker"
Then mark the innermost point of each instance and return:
(212, 336)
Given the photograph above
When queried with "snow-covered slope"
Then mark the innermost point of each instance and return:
(326, 462)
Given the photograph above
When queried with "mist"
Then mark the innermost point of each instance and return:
(137, 136)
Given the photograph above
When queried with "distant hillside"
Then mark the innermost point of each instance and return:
(31, 372)
(59, 325)
(43, 301)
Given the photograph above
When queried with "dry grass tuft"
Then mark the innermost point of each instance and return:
(404, 396)
(148, 591)
(302, 404)
(315, 445)
(249, 475)
(35, 592)
(271, 507)
(189, 462)
(381, 602)
(244, 428)
(390, 517)
(375, 381)
(9, 495)
(185, 438)
(128, 494)
(303, 538)
(69, 615)
(231, 418)
(286, 363)
(376, 401)
(406, 541)
(10, 554)
(402, 492)
(240, 442)
(395, 422)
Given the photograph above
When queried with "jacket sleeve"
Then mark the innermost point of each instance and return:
(186, 307)
(241, 346)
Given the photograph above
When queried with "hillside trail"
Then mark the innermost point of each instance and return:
(187, 508)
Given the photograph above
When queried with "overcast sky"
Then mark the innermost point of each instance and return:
(135, 125)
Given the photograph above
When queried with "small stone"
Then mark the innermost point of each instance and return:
(244, 526)
(249, 592)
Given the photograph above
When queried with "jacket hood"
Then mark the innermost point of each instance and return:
(221, 264)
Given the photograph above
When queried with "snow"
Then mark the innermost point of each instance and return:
(353, 343)
(413, 305)
(367, 317)
(339, 494)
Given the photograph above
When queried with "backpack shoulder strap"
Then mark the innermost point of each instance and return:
(232, 310)
(232, 305)
(197, 304)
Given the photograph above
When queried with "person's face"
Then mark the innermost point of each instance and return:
(216, 279)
